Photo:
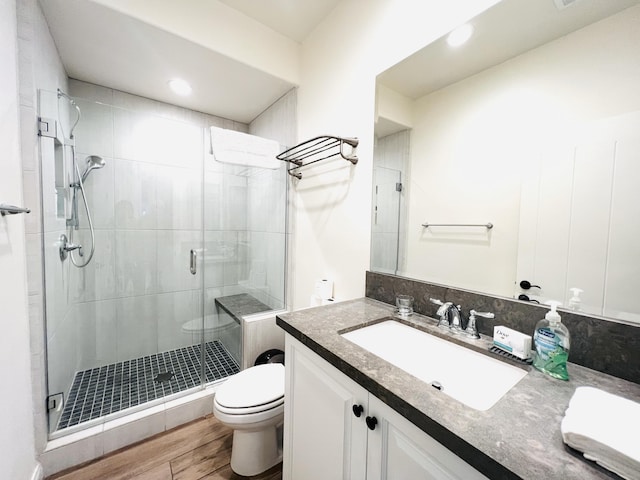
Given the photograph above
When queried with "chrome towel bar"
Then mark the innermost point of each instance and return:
(488, 226)
(12, 209)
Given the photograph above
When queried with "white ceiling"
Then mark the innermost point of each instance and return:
(100, 45)
(504, 31)
(295, 19)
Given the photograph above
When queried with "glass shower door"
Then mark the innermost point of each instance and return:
(183, 248)
(385, 230)
(124, 331)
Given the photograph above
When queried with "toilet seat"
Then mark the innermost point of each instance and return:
(256, 389)
(248, 410)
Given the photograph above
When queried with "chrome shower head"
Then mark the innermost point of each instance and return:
(93, 162)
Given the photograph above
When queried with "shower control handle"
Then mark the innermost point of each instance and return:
(193, 256)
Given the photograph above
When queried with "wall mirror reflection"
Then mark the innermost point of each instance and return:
(532, 125)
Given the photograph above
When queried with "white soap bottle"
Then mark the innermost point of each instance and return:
(575, 302)
(552, 341)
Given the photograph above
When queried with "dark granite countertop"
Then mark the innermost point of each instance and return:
(519, 437)
(240, 305)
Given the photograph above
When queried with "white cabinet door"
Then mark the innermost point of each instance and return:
(323, 439)
(398, 450)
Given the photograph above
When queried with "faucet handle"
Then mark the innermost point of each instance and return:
(473, 313)
(443, 312)
(472, 329)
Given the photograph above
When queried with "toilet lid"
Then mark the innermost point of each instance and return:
(255, 386)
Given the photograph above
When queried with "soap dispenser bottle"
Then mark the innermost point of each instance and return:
(551, 340)
(575, 301)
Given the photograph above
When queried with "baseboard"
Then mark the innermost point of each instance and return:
(38, 472)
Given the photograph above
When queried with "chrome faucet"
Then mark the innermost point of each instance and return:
(450, 315)
(472, 329)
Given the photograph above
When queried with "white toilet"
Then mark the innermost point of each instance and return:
(252, 404)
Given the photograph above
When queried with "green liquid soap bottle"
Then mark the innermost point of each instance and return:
(551, 340)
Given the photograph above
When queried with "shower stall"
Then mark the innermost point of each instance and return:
(147, 240)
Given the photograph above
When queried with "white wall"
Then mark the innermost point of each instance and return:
(472, 141)
(17, 444)
(39, 67)
(340, 61)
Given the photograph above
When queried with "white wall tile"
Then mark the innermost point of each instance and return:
(157, 140)
(180, 413)
(123, 435)
(57, 281)
(213, 200)
(62, 354)
(31, 200)
(99, 189)
(137, 330)
(97, 332)
(173, 260)
(28, 138)
(136, 262)
(94, 132)
(174, 310)
(215, 254)
(90, 91)
(34, 263)
(72, 454)
(179, 196)
(96, 281)
(135, 194)
(234, 201)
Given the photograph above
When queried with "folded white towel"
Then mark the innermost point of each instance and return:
(229, 146)
(605, 428)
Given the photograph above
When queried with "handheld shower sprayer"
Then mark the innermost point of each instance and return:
(93, 162)
(67, 247)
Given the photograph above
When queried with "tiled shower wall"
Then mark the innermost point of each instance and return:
(391, 158)
(267, 251)
(89, 293)
(136, 294)
(39, 67)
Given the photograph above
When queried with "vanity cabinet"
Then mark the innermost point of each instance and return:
(335, 429)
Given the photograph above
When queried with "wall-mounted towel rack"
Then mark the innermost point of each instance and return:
(12, 209)
(488, 226)
(317, 149)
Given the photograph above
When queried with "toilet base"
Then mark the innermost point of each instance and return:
(255, 451)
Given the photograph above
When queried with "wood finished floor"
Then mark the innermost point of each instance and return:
(200, 450)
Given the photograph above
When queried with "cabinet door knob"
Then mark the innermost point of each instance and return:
(371, 422)
(357, 410)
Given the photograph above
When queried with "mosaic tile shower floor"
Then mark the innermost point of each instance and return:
(111, 388)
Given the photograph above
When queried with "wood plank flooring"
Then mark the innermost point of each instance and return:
(200, 450)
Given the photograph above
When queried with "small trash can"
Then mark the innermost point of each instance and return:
(270, 356)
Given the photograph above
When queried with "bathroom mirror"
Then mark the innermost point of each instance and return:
(532, 126)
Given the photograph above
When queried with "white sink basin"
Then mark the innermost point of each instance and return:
(468, 376)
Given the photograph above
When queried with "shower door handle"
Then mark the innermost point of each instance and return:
(193, 256)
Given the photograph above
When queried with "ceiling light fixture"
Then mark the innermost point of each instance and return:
(180, 87)
(460, 35)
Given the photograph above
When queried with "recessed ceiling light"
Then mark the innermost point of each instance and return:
(180, 86)
(460, 35)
